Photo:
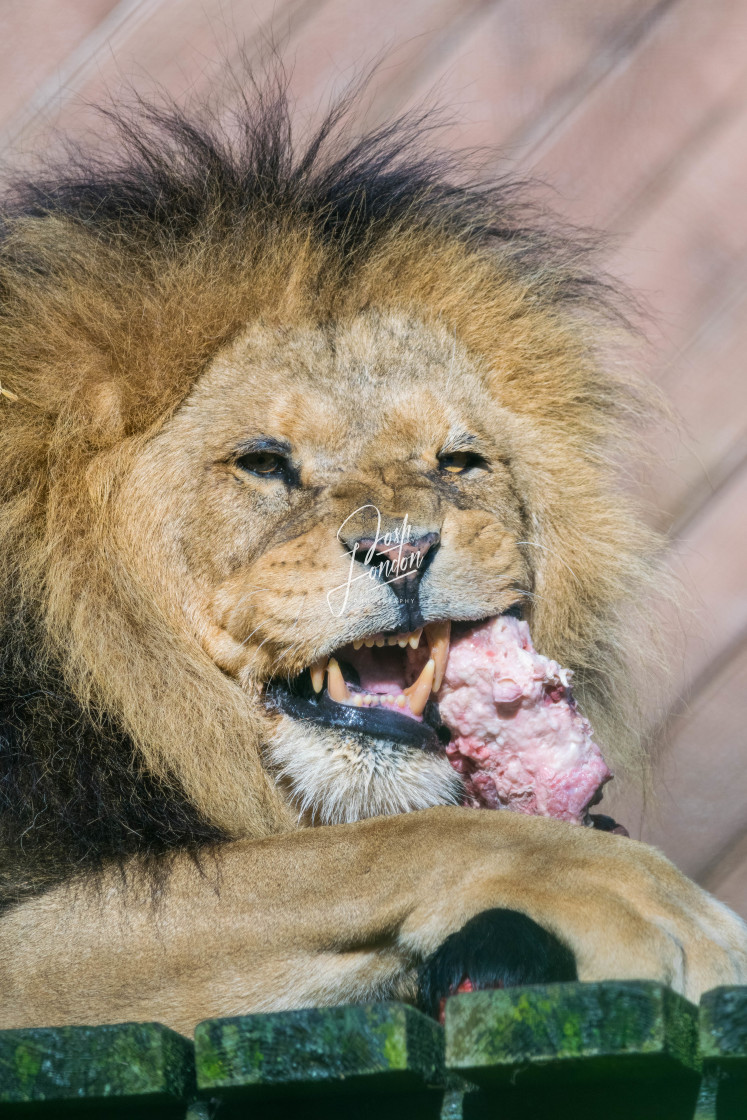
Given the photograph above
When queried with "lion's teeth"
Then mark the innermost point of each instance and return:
(317, 674)
(401, 700)
(402, 640)
(438, 634)
(417, 694)
(357, 700)
(336, 686)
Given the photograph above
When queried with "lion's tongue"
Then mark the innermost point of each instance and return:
(518, 739)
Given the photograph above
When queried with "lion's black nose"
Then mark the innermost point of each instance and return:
(400, 565)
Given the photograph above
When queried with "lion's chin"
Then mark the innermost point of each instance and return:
(335, 775)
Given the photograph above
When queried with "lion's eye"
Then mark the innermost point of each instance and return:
(265, 463)
(457, 462)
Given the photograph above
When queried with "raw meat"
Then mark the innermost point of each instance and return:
(518, 739)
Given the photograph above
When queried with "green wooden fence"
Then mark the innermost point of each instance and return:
(618, 1051)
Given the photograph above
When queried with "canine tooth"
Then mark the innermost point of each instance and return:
(336, 686)
(417, 694)
(358, 644)
(438, 634)
(414, 639)
(401, 700)
(317, 674)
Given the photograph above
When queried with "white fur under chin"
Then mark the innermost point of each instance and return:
(336, 780)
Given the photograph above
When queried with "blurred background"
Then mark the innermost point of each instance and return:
(634, 113)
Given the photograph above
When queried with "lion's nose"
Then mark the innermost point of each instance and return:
(402, 565)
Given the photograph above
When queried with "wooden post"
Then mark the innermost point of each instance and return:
(373, 1060)
(618, 1050)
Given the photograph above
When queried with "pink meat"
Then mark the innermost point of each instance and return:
(518, 739)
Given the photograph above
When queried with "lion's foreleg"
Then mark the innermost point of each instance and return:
(349, 912)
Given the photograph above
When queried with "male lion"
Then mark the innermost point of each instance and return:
(212, 355)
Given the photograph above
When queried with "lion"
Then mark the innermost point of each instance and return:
(216, 349)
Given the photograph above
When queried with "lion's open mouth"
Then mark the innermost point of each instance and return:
(383, 684)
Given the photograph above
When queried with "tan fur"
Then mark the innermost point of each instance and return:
(170, 586)
(339, 914)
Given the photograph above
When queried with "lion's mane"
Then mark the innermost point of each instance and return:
(120, 277)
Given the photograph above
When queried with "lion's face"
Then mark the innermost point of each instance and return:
(280, 493)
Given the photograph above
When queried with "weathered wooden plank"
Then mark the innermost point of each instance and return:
(691, 463)
(348, 36)
(699, 782)
(723, 1027)
(181, 48)
(701, 801)
(517, 66)
(711, 613)
(126, 1069)
(687, 255)
(623, 1049)
(350, 1054)
(723, 1048)
(36, 36)
(632, 130)
(188, 49)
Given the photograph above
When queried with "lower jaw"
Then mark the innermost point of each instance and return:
(338, 776)
(427, 733)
